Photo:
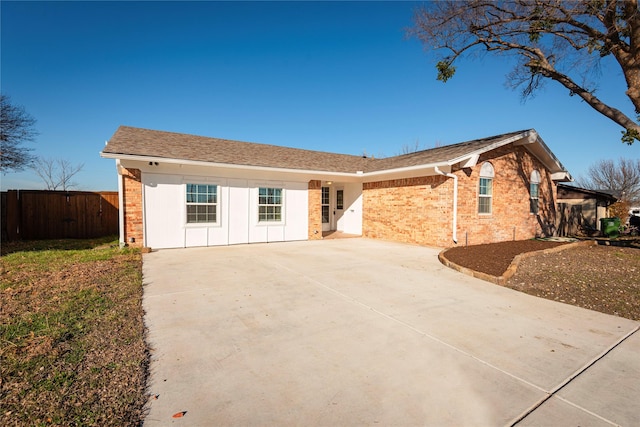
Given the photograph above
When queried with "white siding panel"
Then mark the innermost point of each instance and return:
(195, 236)
(237, 212)
(297, 211)
(163, 211)
(275, 233)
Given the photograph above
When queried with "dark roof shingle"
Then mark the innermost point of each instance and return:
(132, 141)
(152, 143)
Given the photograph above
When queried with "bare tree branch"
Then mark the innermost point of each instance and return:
(621, 177)
(16, 128)
(56, 173)
(555, 40)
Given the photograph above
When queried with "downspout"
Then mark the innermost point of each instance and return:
(455, 202)
(120, 203)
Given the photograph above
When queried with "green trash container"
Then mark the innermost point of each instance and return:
(610, 227)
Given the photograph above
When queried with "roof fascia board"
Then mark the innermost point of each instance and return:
(223, 165)
(400, 171)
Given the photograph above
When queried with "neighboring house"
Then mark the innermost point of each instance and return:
(179, 190)
(580, 209)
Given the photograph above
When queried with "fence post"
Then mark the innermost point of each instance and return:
(13, 215)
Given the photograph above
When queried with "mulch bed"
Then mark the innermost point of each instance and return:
(495, 258)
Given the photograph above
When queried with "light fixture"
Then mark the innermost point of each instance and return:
(329, 182)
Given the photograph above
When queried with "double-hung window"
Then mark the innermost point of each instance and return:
(202, 203)
(534, 190)
(270, 204)
(485, 189)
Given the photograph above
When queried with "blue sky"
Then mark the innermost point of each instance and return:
(330, 76)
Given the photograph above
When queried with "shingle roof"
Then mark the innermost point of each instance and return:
(442, 154)
(131, 141)
(158, 144)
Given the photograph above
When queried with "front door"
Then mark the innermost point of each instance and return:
(326, 208)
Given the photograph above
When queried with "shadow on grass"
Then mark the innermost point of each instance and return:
(57, 244)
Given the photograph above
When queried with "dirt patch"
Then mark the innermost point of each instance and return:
(601, 278)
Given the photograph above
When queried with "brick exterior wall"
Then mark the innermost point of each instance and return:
(132, 200)
(419, 210)
(407, 210)
(315, 210)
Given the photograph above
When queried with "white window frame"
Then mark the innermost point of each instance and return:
(326, 204)
(215, 204)
(534, 192)
(281, 205)
(486, 174)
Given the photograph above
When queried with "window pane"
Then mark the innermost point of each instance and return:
(534, 206)
(484, 205)
(325, 214)
(485, 186)
(534, 190)
(340, 199)
(191, 214)
(325, 195)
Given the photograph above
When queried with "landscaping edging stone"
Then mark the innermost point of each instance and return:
(511, 270)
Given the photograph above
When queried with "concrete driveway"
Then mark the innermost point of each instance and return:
(363, 332)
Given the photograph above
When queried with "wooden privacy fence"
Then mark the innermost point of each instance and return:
(36, 214)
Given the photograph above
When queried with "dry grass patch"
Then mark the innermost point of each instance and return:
(72, 343)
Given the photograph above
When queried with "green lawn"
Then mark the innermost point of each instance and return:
(72, 349)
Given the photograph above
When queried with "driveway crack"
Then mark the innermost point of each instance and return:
(572, 377)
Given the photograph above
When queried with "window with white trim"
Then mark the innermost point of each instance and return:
(534, 191)
(325, 205)
(202, 203)
(270, 204)
(485, 188)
